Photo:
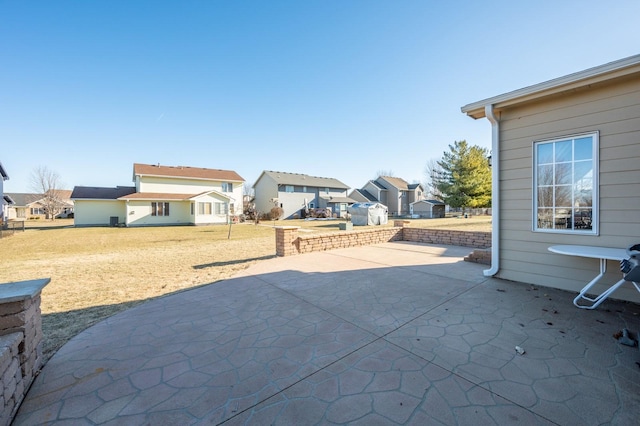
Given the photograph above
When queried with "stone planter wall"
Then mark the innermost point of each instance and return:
(20, 342)
(473, 239)
(289, 242)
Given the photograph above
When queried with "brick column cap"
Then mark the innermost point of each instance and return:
(22, 290)
(287, 227)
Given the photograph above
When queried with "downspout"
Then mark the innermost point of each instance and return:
(495, 191)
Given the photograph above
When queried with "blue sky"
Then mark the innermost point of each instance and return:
(339, 89)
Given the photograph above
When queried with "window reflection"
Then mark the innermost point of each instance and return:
(565, 183)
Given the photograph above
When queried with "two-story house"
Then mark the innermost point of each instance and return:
(395, 193)
(162, 195)
(293, 192)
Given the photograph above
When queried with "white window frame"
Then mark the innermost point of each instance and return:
(205, 208)
(227, 186)
(160, 208)
(289, 188)
(574, 229)
(220, 208)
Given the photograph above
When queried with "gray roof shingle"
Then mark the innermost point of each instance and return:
(22, 198)
(101, 193)
(284, 178)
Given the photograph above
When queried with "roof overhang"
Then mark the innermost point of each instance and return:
(187, 177)
(157, 196)
(433, 203)
(338, 200)
(3, 173)
(153, 196)
(612, 70)
(7, 199)
(214, 192)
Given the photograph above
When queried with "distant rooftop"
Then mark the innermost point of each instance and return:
(101, 193)
(185, 172)
(299, 179)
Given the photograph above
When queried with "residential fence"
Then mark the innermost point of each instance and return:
(10, 228)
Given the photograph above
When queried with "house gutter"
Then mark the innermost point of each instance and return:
(495, 191)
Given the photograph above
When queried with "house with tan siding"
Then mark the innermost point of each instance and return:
(295, 192)
(394, 192)
(28, 206)
(566, 171)
(162, 195)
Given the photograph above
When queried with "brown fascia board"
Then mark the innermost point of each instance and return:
(609, 71)
(155, 196)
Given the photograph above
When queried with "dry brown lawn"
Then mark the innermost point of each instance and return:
(97, 272)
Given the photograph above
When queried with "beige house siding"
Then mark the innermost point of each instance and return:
(98, 212)
(205, 219)
(139, 213)
(173, 185)
(265, 189)
(613, 110)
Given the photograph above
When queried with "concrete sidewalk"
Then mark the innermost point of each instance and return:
(396, 333)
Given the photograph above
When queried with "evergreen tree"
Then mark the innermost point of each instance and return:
(464, 178)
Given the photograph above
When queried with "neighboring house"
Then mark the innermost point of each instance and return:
(362, 196)
(5, 200)
(429, 209)
(162, 195)
(393, 192)
(566, 170)
(20, 209)
(28, 206)
(292, 191)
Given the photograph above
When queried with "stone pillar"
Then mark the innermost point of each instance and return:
(20, 317)
(286, 238)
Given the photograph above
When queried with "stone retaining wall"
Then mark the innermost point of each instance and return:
(289, 242)
(482, 256)
(20, 342)
(473, 239)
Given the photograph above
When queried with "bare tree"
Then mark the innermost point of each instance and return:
(46, 182)
(388, 173)
(432, 173)
(248, 190)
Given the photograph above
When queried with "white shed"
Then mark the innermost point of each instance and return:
(369, 214)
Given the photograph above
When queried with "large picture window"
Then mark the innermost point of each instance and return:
(565, 186)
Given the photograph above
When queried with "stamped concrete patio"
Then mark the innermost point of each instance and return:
(396, 333)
